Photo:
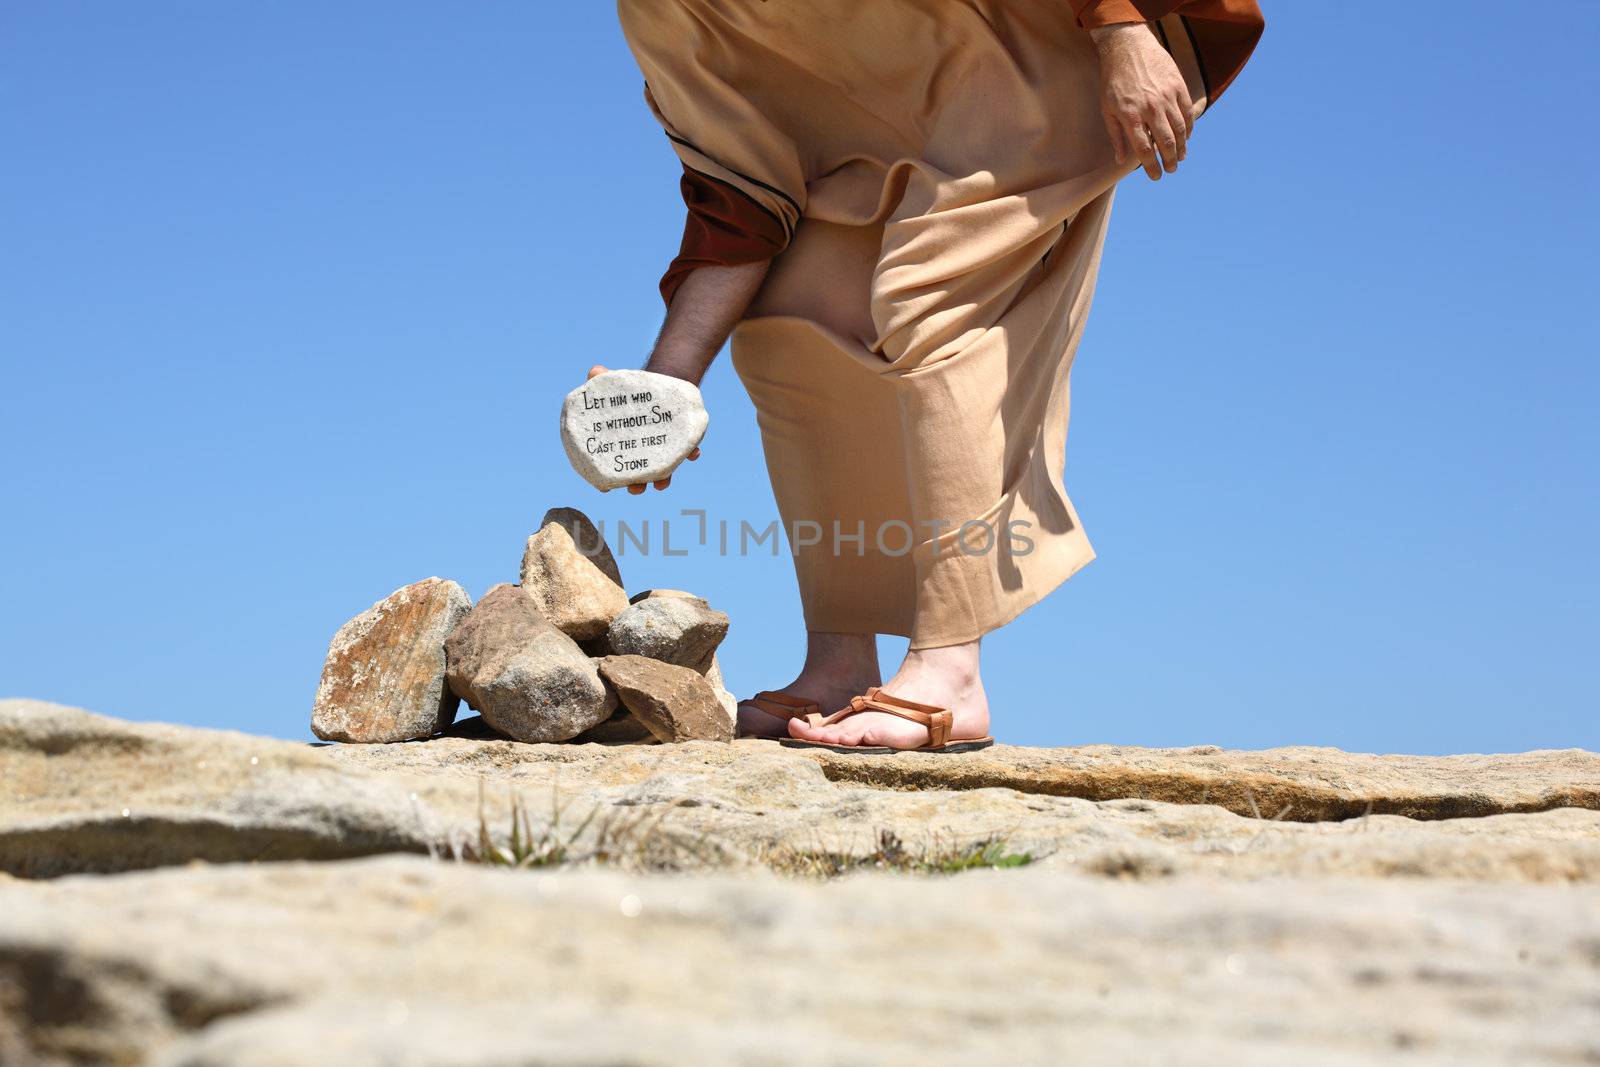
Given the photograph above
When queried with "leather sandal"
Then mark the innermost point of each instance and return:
(783, 706)
(938, 721)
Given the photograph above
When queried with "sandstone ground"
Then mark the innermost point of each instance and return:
(181, 896)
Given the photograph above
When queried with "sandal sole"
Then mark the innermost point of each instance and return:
(951, 747)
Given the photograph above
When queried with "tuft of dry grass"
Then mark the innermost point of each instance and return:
(635, 840)
(893, 854)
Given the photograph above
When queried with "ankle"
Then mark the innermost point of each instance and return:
(841, 675)
(956, 666)
(845, 660)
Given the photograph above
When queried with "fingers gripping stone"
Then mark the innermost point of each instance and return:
(625, 427)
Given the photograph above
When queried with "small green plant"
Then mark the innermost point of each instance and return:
(635, 838)
(892, 854)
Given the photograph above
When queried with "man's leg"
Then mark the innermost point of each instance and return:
(837, 667)
(984, 399)
(945, 677)
(834, 428)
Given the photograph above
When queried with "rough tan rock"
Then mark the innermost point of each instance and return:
(82, 792)
(1144, 931)
(587, 538)
(1301, 784)
(676, 704)
(569, 573)
(383, 679)
(405, 961)
(529, 680)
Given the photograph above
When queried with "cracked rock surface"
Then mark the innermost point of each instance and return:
(183, 896)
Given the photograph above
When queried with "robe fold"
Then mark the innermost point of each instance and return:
(932, 181)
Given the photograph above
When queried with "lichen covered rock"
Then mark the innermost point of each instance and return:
(384, 677)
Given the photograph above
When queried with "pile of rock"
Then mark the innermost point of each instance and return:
(565, 655)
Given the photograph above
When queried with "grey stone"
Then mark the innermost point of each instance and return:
(630, 426)
(647, 594)
(680, 630)
(676, 703)
(568, 572)
(384, 678)
(529, 680)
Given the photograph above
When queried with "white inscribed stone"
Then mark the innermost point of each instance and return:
(627, 426)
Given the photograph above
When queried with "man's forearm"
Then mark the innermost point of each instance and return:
(705, 309)
(1108, 36)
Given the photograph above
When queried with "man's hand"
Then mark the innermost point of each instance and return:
(703, 313)
(1143, 98)
(638, 487)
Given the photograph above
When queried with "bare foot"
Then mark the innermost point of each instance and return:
(837, 667)
(945, 677)
(829, 693)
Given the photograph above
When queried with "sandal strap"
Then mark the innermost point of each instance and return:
(937, 720)
(783, 705)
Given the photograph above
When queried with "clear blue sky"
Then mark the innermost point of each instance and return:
(290, 293)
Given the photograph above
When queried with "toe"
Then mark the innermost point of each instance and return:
(845, 733)
(891, 736)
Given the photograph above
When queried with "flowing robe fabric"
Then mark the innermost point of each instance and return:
(932, 181)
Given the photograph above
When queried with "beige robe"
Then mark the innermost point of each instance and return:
(943, 179)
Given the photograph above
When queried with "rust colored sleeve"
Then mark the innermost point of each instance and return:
(1092, 14)
(1225, 32)
(724, 228)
